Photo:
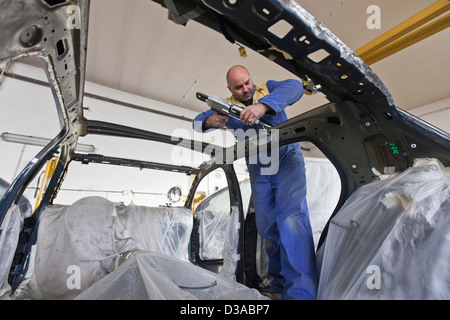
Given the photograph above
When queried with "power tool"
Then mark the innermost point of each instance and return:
(224, 107)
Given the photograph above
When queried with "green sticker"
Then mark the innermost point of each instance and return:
(394, 148)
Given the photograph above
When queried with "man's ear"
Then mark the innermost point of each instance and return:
(229, 88)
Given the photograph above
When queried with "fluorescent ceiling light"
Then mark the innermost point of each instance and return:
(37, 141)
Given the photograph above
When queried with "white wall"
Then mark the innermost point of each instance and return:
(29, 109)
(437, 114)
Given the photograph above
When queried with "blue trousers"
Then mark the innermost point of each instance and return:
(282, 219)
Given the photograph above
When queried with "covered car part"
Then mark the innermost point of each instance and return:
(150, 275)
(323, 185)
(89, 238)
(9, 235)
(95, 249)
(214, 215)
(390, 240)
(8, 241)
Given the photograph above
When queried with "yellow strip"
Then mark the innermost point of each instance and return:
(410, 39)
(49, 170)
(405, 27)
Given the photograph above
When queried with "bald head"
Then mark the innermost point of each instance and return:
(240, 83)
(236, 71)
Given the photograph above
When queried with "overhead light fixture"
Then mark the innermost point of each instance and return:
(38, 141)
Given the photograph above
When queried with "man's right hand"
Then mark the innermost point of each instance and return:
(216, 120)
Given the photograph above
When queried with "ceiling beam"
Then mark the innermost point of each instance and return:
(384, 45)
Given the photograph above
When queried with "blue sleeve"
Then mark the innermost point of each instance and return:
(282, 94)
(200, 120)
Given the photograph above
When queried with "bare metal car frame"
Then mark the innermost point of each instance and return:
(357, 130)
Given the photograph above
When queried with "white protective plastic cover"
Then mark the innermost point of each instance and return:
(323, 191)
(9, 236)
(154, 276)
(106, 251)
(391, 239)
(219, 236)
(79, 244)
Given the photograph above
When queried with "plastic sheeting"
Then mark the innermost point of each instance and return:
(231, 253)
(214, 214)
(90, 237)
(149, 275)
(95, 249)
(323, 185)
(8, 241)
(323, 190)
(391, 239)
(9, 236)
(160, 229)
(79, 244)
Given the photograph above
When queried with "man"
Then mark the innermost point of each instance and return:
(282, 217)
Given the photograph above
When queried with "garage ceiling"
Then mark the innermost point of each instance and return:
(133, 47)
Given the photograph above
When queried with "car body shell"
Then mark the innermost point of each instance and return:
(355, 130)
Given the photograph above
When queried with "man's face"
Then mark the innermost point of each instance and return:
(240, 84)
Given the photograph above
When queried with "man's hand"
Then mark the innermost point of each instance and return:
(216, 120)
(252, 113)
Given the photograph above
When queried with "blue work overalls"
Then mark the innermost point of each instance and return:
(282, 217)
